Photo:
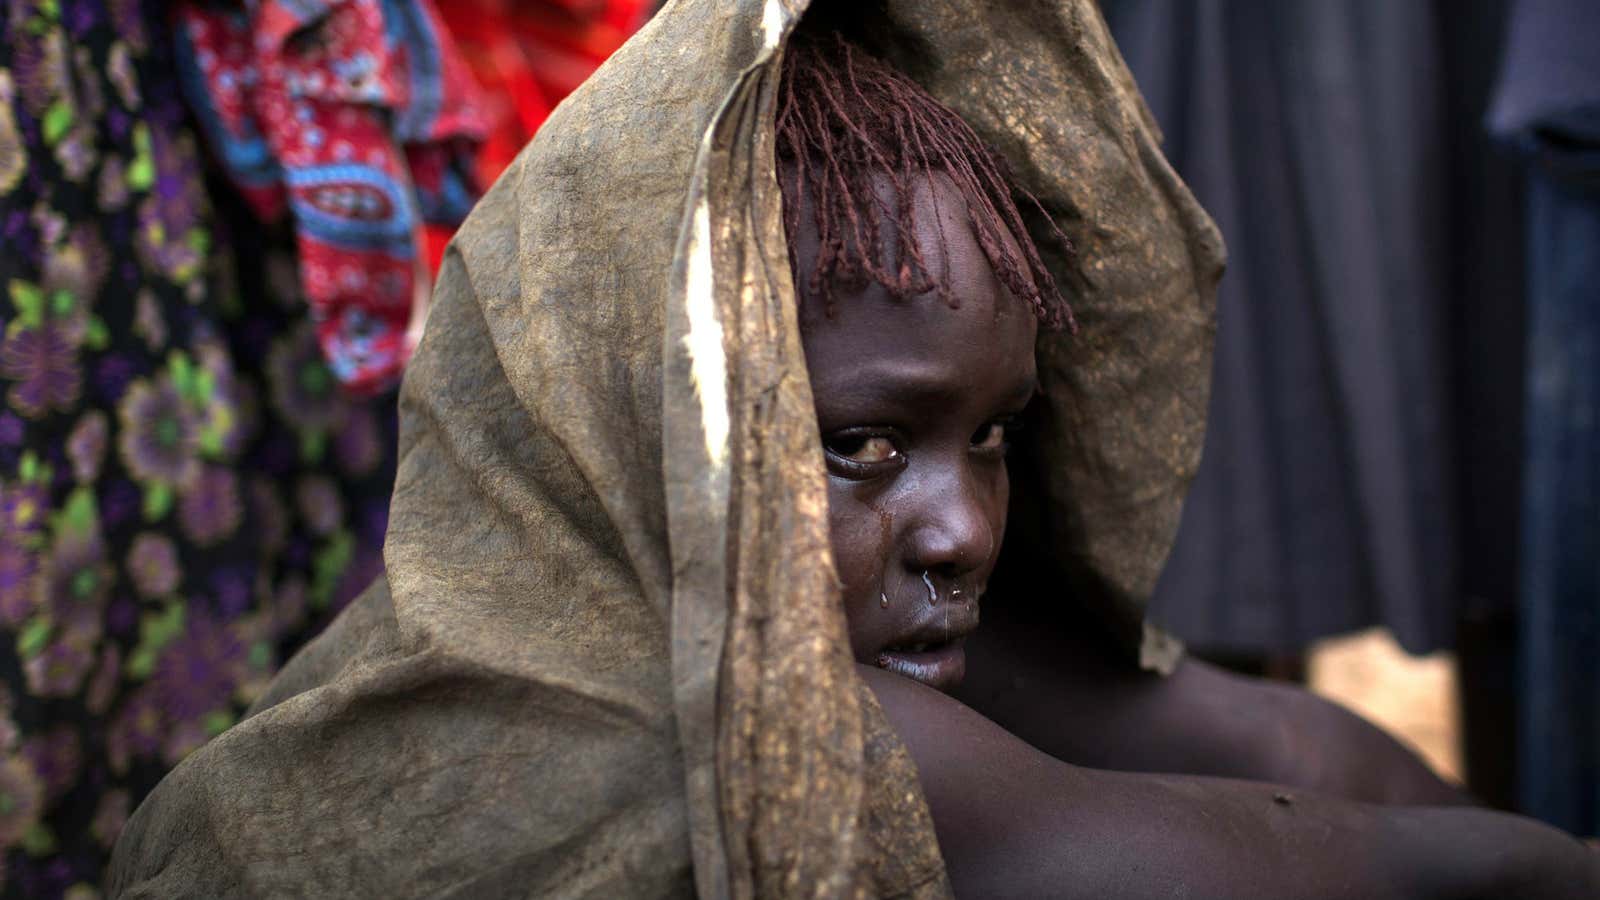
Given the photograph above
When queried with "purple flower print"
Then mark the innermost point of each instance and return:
(318, 500)
(112, 188)
(11, 429)
(40, 67)
(119, 71)
(23, 508)
(172, 210)
(119, 501)
(303, 389)
(57, 757)
(43, 364)
(159, 439)
(358, 446)
(112, 377)
(195, 676)
(86, 446)
(103, 683)
(13, 152)
(19, 572)
(232, 589)
(163, 251)
(76, 154)
(136, 731)
(153, 565)
(197, 672)
(77, 579)
(121, 616)
(52, 225)
(289, 605)
(78, 266)
(22, 514)
(81, 19)
(118, 123)
(109, 817)
(89, 260)
(148, 322)
(209, 508)
(269, 518)
(19, 237)
(129, 18)
(59, 670)
(21, 798)
(224, 420)
(45, 876)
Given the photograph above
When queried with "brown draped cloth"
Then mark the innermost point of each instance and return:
(608, 657)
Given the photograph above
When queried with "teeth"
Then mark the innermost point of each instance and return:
(922, 647)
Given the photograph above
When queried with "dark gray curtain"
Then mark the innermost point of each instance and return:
(1314, 133)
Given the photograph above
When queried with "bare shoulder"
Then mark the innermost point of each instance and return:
(1014, 821)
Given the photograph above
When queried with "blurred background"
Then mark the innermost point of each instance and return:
(1398, 500)
(219, 221)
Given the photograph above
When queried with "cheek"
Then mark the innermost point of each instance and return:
(862, 536)
(1000, 503)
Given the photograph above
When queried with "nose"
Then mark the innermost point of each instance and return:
(952, 534)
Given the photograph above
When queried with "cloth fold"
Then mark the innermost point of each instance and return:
(608, 657)
(357, 119)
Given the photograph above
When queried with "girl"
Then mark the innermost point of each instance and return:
(674, 521)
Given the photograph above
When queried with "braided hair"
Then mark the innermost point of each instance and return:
(846, 120)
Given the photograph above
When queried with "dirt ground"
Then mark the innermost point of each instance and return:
(1413, 697)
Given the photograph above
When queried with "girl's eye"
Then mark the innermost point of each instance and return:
(990, 437)
(862, 455)
(994, 439)
(864, 448)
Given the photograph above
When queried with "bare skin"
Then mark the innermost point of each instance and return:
(1056, 687)
(913, 403)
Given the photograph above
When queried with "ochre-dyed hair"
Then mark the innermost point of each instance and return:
(846, 118)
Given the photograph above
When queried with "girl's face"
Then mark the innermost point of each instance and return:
(914, 401)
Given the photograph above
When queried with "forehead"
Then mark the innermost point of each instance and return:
(982, 333)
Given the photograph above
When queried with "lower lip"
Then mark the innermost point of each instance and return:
(942, 668)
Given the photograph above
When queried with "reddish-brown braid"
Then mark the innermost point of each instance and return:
(846, 119)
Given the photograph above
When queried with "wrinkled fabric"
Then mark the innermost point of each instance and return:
(608, 657)
(357, 119)
(1314, 132)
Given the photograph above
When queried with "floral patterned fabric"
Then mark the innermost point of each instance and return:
(185, 492)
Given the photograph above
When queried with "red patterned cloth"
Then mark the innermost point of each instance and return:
(530, 55)
(359, 119)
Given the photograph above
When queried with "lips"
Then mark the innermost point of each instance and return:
(931, 649)
(939, 665)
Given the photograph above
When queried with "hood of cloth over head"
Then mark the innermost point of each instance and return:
(608, 656)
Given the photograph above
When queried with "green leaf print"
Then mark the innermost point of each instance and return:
(29, 301)
(156, 631)
(158, 498)
(34, 636)
(57, 120)
(141, 172)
